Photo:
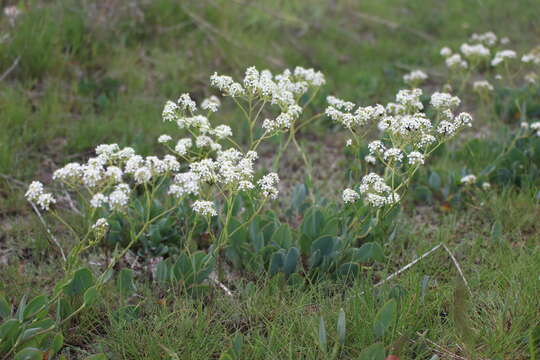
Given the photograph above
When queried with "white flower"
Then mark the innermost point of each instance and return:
(70, 172)
(133, 164)
(125, 153)
(205, 208)
(502, 56)
(482, 86)
(340, 104)
(222, 131)
(185, 183)
(477, 51)
(348, 142)
(350, 196)
(370, 159)
(486, 186)
(185, 103)
(226, 85)
(446, 51)
(416, 158)
(142, 175)
(118, 199)
(92, 174)
(245, 185)
(171, 164)
(211, 104)
(114, 173)
(533, 57)
(98, 200)
(443, 101)
(463, 119)
(268, 185)
(456, 62)
(100, 227)
(45, 200)
(468, 180)
(415, 77)
(34, 190)
(410, 99)
(376, 147)
(170, 111)
(488, 38)
(393, 155)
(183, 145)
(164, 138)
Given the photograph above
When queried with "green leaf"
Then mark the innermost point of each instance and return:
(341, 330)
(182, 268)
(373, 352)
(124, 283)
(82, 280)
(162, 272)
(63, 309)
(348, 270)
(325, 245)
(90, 296)
(9, 330)
(496, 231)
(276, 262)
(256, 235)
(56, 344)
(21, 308)
(282, 236)
(5, 308)
(29, 353)
(291, 260)
(29, 333)
(34, 306)
(370, 251)
(434, 181)
(322, 335)
(313, 223)
(385, 317)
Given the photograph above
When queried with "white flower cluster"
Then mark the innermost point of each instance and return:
(376, 192)
(415, 77)
(37, 195)
(407, 135)
(341, 112)
(468, 180)
(281, 90)
(482, 86)
(488, 38)
(205, 208)
(535, 126)
(268, 185)
(502, 56)
(532, 57)
(475, 52)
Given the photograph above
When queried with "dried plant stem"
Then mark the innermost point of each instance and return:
(53, 238)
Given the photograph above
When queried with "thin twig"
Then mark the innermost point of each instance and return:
(71, 203)
(10, 69)
(223, 287)
(13, 180)
(49, 230)
(441, 349)
(458, 269)
(406, 267)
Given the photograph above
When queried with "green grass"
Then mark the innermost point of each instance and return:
(90, 74)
